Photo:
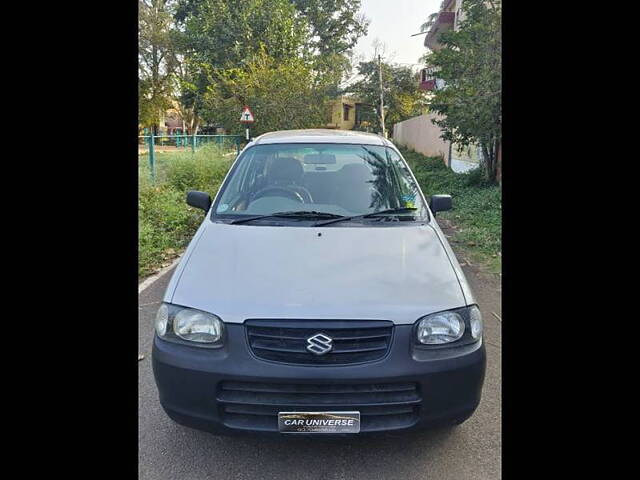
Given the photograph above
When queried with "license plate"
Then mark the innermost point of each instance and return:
(319, 422)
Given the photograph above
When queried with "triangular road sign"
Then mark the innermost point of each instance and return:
(246, 116)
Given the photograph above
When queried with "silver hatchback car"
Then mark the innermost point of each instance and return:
(319, 296)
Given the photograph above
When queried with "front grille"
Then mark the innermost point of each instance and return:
(255, 406)
(285, 341)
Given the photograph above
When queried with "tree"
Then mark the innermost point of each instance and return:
(281, 95)
(224, 39)
(470, 63)
(225, 34)
(336, 25)
(188, 82)
(402, 97)
(155, 60)
(220, 39)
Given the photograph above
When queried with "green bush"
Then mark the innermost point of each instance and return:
(166, 223)
(477, 205)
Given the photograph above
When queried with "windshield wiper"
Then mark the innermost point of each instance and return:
(293, 214)
(389, 211)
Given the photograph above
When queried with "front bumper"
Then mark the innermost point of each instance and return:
(228, 390)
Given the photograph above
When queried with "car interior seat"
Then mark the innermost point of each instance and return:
(353, 188)
(287, 172)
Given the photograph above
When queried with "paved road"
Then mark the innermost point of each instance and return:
(470, 451)
(460, 166)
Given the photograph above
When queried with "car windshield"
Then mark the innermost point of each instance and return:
(345, 180)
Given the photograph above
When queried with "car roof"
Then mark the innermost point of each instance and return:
(320, 135)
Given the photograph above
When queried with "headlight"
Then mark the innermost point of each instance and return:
(475, 320)
(176, 323)
(162, 319)
(461, 325)
(439, 328)
(197, 326)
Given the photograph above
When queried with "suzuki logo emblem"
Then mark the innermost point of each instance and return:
(319, 344)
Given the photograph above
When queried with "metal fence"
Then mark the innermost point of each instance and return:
(151, 145)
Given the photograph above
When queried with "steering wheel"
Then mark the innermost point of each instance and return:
(288, 193)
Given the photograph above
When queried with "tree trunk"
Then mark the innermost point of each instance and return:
(499, 163)
(487, 160)
(489, 152)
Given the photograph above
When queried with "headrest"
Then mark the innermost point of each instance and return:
(355, 171)
(285, 169)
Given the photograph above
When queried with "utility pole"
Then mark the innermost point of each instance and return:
(384, 132)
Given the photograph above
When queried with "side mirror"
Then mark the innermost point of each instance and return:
(199, 200)
(440, 203)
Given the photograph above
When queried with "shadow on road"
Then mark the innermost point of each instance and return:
(385, 456)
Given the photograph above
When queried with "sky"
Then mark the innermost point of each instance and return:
(392, 22)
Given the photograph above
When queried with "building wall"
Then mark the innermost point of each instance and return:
(419, 134)
(454, 6)
(337, 107)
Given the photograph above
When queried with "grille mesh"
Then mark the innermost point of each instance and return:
(353, 341)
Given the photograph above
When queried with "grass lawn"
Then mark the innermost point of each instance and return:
(476, 216)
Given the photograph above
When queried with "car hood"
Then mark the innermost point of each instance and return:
(239, 272)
